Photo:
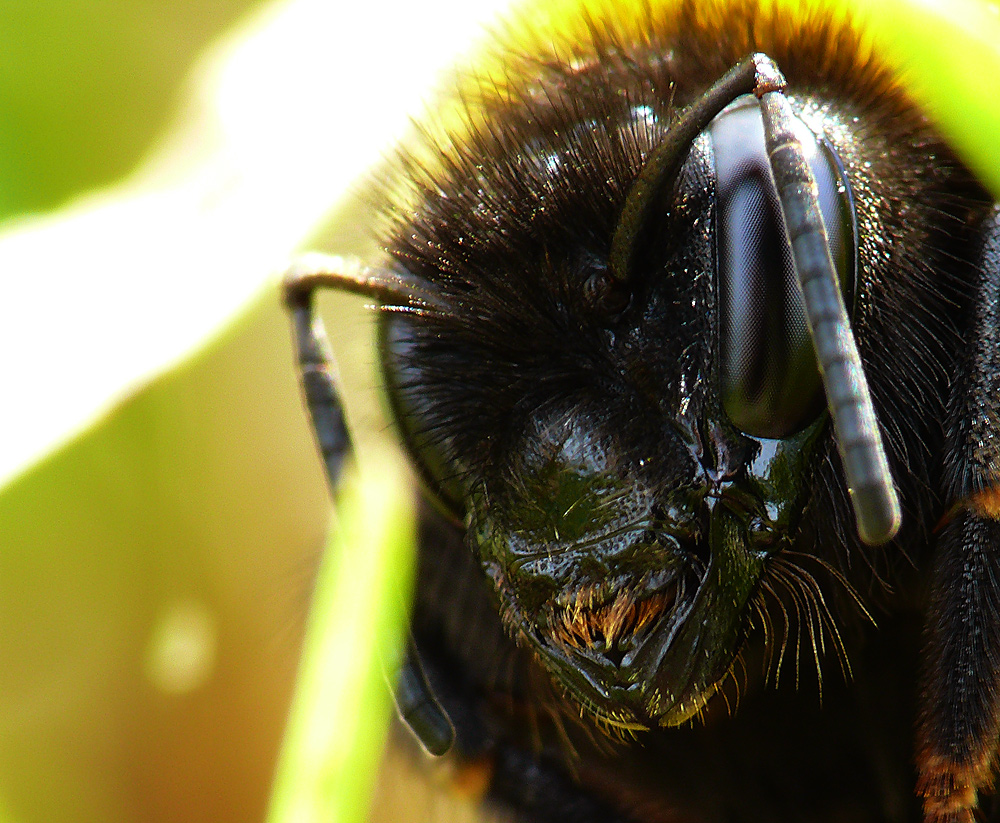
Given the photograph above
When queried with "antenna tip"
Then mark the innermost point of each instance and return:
(877, 510)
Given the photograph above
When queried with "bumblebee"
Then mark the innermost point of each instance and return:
(688, 321)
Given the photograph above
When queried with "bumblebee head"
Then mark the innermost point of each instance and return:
(620, 399)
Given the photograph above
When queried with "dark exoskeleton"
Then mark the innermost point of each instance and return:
(676, 366)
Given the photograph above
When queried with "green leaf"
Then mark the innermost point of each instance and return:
(949, 53)
(340, 714)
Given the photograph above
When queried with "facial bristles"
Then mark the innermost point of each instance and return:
(582, 624)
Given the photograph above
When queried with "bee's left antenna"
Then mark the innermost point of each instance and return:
(665, 161)
(873, 495)
(415, 700)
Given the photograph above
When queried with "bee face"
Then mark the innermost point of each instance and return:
(625, 456)
(612, 493)
(610, 380)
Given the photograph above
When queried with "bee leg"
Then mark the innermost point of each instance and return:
(960, 696)
(414, 697)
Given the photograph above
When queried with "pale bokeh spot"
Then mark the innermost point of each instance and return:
(182, 649)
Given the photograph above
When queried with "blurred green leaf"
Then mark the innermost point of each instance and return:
(85, 86)
(949, 53)
(340, 715)
(154, 577)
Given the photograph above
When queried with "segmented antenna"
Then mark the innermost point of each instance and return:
(665, 161)
(324, 271)
(415, 700)
(419, 708)
(873, 495)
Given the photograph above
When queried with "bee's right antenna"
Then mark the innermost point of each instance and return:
(876, 505)
(418, 707)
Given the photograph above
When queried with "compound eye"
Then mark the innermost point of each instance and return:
(413, 410)
(769, 378)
